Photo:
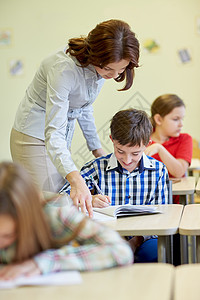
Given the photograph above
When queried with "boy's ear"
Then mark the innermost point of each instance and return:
(157, 119)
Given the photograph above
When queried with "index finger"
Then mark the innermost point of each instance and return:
(88, 203)
(82, 205)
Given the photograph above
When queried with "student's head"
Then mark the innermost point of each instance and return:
(130, 132)
(112, 48)
(168, 111)
(21, 214)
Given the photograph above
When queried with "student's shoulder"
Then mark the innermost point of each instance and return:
(97, 161)
(156, 163)
(62, 62)
(185, 137)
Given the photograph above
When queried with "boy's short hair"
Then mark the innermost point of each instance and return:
(131, 127)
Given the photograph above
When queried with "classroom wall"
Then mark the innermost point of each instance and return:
(38, 28)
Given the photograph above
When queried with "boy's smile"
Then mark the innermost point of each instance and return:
(128, 156)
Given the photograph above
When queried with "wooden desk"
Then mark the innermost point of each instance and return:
(138, 281)
(163, 225)
(186, 284)
(198, 187)
(184, 188)
(195, 166)
(190, 225)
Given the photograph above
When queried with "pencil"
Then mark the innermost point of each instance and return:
(99, 191)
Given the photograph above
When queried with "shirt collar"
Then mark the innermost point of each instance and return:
(112, 163)
(145, 163)
(148, 163)
(89, 71)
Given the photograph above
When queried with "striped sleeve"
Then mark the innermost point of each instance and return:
(162, 189)
(98, 246)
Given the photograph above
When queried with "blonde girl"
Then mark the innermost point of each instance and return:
(38, 237)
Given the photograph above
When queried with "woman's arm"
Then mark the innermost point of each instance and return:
(60, 85)
(80, 193)
(98, 152)
(87, 124)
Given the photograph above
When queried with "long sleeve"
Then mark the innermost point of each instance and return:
(87, 170)
(162, 189)
(59, 85)
(88, 127)
(98, 246)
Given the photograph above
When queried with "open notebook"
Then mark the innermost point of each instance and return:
(127, 210)
(59, 278)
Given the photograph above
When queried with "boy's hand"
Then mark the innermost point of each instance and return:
(100, 201)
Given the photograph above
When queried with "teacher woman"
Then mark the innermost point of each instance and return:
(62, 91)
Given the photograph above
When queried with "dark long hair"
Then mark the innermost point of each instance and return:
(109, 42)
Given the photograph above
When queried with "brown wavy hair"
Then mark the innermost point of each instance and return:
(163, 105)
(131, 127)
(20, 199)
(109, 42)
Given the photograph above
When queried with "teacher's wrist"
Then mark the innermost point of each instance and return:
(74, 177)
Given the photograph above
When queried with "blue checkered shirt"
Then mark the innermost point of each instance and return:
(147, 184)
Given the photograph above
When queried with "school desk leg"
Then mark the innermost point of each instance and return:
(198, 248)
(162, 249)
(183, 199)
(191, 196)
(191, 249)
(169, 249)
(184, 249)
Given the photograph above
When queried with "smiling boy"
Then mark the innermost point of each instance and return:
(128, 175)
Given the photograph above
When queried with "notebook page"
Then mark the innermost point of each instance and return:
(59, 278)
